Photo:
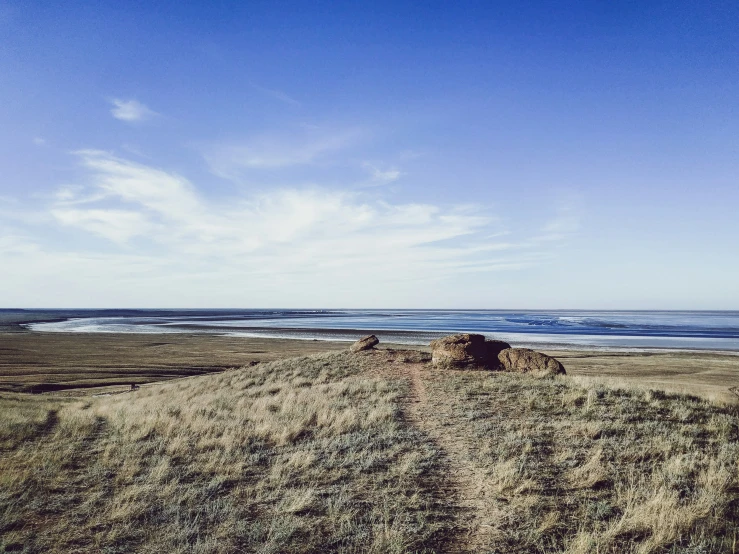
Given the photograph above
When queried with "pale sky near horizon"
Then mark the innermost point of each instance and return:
(369, 155)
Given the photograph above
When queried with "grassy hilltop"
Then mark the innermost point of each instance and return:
(368, 452)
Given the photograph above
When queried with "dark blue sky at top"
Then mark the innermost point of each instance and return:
(546, 75)
(623, 112)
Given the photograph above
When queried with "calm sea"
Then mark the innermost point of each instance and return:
(542, 329)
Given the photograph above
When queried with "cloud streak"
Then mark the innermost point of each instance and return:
(327, 222)
(288, 246)
(130, 111)
(304, 147)
(382, 176)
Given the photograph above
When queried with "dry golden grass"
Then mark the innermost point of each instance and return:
(319, 454)
(706, 374)
(303, 455)
(581, 467)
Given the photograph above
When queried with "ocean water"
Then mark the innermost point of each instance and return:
(542, 329)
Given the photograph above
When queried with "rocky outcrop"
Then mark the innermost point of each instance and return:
(365, 343)
(467, 350)
(461, 350)
(523, 360)
(472, 351)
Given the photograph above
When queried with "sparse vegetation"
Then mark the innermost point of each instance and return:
(333, 453)
(581, 467)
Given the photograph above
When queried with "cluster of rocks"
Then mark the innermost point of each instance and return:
(466, 350)
(471, 351)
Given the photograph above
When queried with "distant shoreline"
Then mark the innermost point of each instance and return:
(387, 336)
(561, 330)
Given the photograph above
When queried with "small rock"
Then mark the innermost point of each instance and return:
(365, 343)
(523, 360)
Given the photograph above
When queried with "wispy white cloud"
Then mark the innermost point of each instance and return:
(154, 189)
(305, 146)
(308, 216)
(113, 224)
(130, 110)
(287, 246)
(39, 141)
(382, 176)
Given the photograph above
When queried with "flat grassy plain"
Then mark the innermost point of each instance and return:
(46, 362)
(706, 374)
(367, 452)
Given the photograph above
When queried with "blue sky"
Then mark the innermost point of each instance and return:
(421, 155)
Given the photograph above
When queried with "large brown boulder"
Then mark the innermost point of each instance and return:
(462, 350)
(523, 360)
(365, 343)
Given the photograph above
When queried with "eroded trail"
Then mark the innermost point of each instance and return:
(472, 505)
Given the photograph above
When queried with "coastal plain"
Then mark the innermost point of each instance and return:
(262, 446)
(95, 362)
(88, 363)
